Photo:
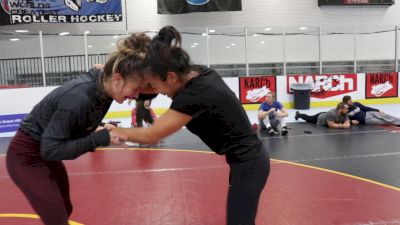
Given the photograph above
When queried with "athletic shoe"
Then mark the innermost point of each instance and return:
(284, 131)
(270, 131)
(296, 116)
(114, 123)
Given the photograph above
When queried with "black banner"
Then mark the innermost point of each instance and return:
(189, 6)
(355, 2)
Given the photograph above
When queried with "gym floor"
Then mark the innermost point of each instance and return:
(321, 176)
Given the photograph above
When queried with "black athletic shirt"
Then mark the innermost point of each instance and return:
(65, 119)
(218, 117)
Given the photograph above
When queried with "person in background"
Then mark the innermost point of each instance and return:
(271, 115)
(143, 111)
(203, 103)
(361, 114)
(334, 118)
(63, 126)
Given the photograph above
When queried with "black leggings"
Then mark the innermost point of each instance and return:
(246, 182)
(309, 119)
(44, 183)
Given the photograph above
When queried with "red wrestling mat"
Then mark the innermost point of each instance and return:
(391, 128)
(121, 187)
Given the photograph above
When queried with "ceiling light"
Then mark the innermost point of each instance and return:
(233, 44)
(195, 44)
(255, 35)
(21, 31)
(263, 42)
(211, 31)
(63, 33)
(14, 39)
(268, 29)
(303, 28)
(89, 46)
(203, 34)
(228, 46)
(87, 32)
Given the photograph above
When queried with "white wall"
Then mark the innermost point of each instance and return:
(142, 16)
(338, 46)
(21, 100)
(276, 13)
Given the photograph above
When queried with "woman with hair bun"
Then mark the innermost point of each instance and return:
(203, 103)
(64, 125)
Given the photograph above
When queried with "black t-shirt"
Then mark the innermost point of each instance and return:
(218, 117)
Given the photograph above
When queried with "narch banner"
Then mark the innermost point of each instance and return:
(61, 11)
(189, 6)
(326, 85)
(254, 89)
(381, 85)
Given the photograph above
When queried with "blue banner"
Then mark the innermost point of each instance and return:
(10, 123)
(62, 11)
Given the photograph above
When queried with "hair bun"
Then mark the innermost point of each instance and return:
(136, 43)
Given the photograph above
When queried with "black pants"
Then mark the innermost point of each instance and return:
(142, 114)
(44, 183)
(310, 119)
(246, 182)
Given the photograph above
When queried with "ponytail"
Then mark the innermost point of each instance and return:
(165, 54)
(167, 34)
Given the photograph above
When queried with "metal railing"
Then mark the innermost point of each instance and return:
(60, 69)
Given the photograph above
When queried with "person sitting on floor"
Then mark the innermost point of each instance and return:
(334, 118)
(271, 115)
(361, 114)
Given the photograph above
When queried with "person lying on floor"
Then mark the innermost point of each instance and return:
(361, 114)
(334, 118)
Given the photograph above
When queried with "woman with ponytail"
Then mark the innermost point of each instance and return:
(203, 103)
(64, 125)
